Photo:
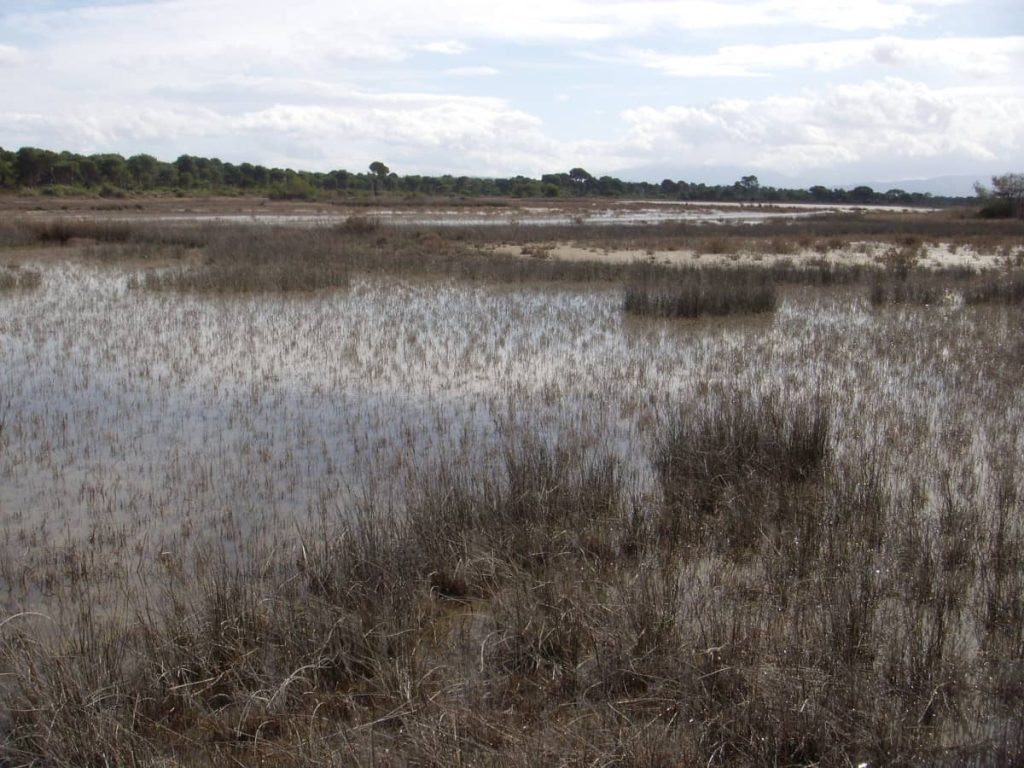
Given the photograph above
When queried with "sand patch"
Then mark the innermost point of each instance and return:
(943, 255)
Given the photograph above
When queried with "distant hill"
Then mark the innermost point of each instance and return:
(942, 186)
(939, 186)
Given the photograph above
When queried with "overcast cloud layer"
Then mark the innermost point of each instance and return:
(792, 90)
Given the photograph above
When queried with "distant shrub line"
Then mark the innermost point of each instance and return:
(112, 175)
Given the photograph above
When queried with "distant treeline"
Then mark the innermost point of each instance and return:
(111, 175)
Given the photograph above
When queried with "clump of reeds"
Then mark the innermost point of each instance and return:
(358, 225)
(1004, 288)
(241, 260)
(19, 278)
(946, 286)
(698, 293)
(718, 245)
(739, 461)
(115, 234)
(922, 292)
(900, 260)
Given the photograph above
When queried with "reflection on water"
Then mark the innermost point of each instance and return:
(140, 412)
(136, 423)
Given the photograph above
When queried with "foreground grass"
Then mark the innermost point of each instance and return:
(780, 606)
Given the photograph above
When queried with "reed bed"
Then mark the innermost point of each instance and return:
(714, 293)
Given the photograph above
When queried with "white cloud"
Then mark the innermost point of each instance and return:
(472, 71)
(876, 123)
(446, 47)
(974, 57)
(840, 125)
(846, 15)
(88, 130)
(10, 56)
(464, 125)
(320, 84)
(197, 27)
(438, 134)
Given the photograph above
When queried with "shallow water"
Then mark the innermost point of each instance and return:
(613, 213)
(135, 424)
(121, 403)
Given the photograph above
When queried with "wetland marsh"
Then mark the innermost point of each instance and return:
(366, 494)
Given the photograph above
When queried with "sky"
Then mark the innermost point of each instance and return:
(796, 92)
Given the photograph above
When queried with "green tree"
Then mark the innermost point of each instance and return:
(32, 166)
(167, 176)
(64, 169)
(185, 164)
(7, 179)
(820, 194)
(581, 180)
(380, 173)
(113, 169)
(1010, 187)
(89, 172)
(862, 194)
(293, 188)
(143, 170)
(749, 183)
(558, 180)
(609, 185)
